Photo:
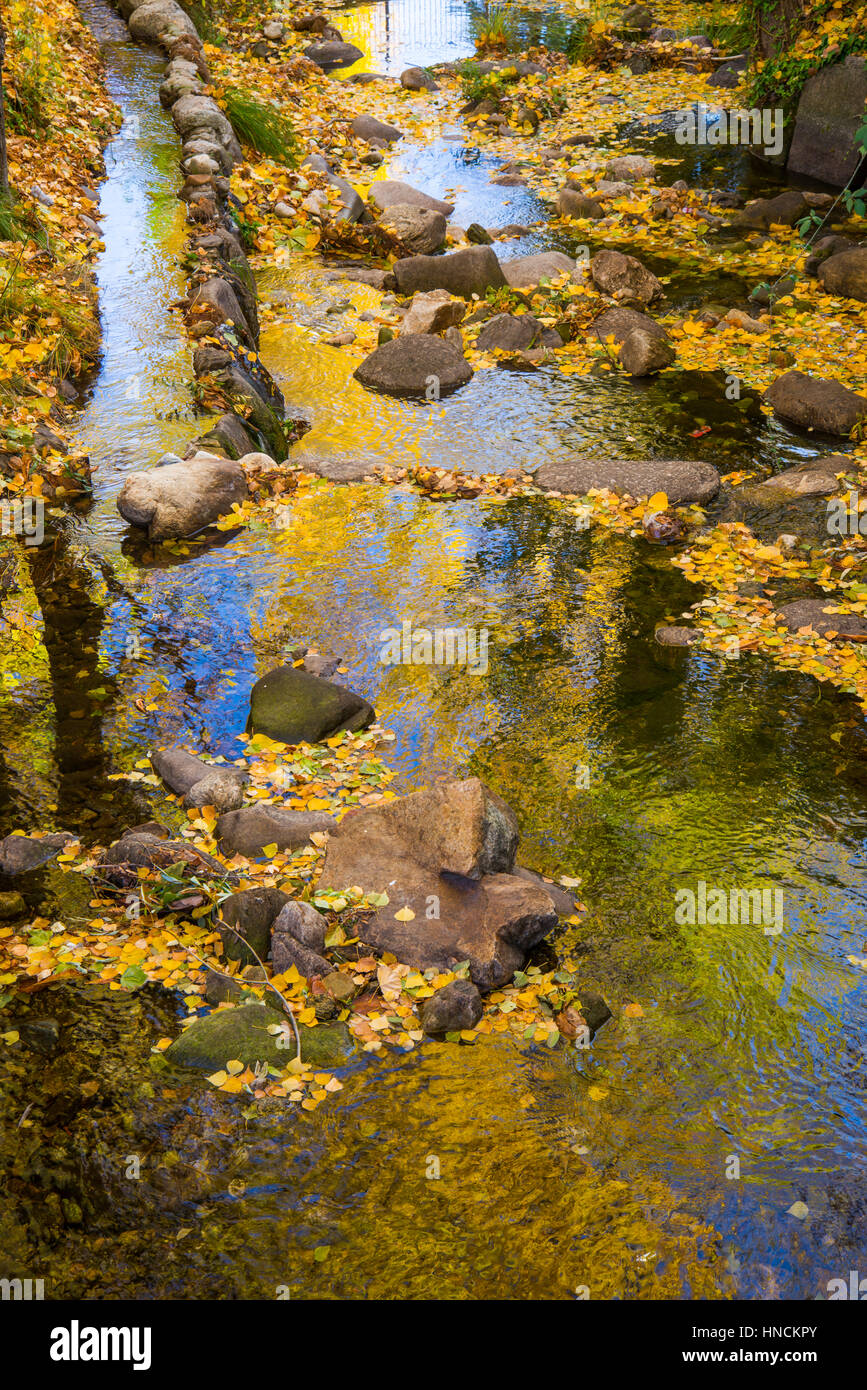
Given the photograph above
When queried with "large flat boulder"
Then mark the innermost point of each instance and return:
(433, 312)
(385, 193)
(681, 480)
(415, 364)
(294, 706)
(444, 858)
(814, 403)
(846, 274)
(181, 499)
(829, 114)
(369, 128)
(642, 345)
(248, 830)
(473, 271)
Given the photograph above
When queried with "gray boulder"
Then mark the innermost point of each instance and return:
(453, 1008)
(159, 19)
(817, 613)
(814, 403)
(332, 54)
(417, 80)
(846, 274)
(466, 273)
(570, 203)
(248, 830)
(181, 499)
(293, 706)
(369, 128)
(301, 920)
(516, 333)
(642, 345)
(20, 853)
(624, 278)
(245, 923)
(629, 168)
(406, 366)
(420, 230)
(386, 193)
(830, 111)
(198, 782)
(200, 118)
(681, 480)
(433, 312)
(527, 272)
(784, 210)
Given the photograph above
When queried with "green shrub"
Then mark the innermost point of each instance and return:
(261, 126)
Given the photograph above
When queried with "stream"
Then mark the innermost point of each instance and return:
(750, 1046)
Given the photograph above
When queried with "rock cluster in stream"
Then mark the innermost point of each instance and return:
(183, 496)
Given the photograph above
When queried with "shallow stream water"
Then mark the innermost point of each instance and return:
(751, 1047)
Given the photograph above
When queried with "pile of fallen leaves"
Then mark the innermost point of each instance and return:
(58, 125)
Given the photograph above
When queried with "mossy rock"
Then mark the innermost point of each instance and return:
(241, 1034)
(294, 706)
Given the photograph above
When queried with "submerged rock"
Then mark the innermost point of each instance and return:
(814, 403)
(675, 636)
(571, 203)
(21, 853)
(241, 1034)
(414, 365)
(681, 480)
(198, 782)
(629, 168)
(293, 706)
(453, 1008)
(817, 613)
(182, 499)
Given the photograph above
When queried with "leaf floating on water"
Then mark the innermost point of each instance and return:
(799, 1210)
(404, 914)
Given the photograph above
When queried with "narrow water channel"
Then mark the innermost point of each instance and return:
(750, 1046)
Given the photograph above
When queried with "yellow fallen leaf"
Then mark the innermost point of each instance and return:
(404, 914)
(217, 1078)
